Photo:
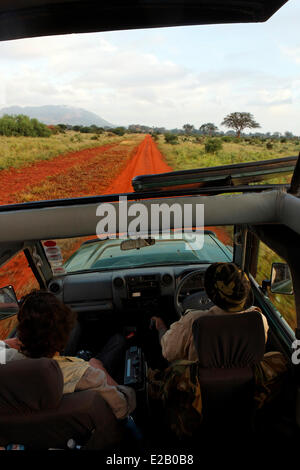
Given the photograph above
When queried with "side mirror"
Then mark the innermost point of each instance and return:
(8, 302)
(281, 279)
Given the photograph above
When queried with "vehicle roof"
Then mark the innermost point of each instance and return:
(30, 18)
(78, 217)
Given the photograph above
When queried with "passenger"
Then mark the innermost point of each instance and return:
(228, 287)
(44, 327)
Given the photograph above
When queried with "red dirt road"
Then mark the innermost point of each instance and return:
(147, 160)
(16, 180)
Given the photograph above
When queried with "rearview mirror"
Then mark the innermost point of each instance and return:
(136, 244)
(281, 279)
(8, 302)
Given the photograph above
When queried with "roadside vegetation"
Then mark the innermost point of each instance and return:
(21, 125)
(17, 152)
(285, 303)
(188, 152)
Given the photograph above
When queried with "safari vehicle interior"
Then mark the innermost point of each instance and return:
(119, 284)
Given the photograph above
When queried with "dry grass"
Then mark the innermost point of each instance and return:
(21, 151)
(189, 154)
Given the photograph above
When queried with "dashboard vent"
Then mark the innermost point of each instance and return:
(54, 287)
(118, 282)
(167, 279)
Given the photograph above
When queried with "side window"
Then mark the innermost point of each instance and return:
(17, 273)
(285, 304)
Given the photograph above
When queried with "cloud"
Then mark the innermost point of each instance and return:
(127, 84)
(291, 52)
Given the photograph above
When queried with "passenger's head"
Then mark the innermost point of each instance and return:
(44, 325)
(228, 287)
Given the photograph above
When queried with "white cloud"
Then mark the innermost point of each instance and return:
(291, 52)
(125, 85)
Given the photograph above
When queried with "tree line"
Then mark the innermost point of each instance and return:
(21, 125)
(237, 122)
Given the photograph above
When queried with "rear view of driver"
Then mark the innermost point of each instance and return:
(228, 287)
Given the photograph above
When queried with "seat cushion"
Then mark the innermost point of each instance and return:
(30, 385)
(77, 416)
(226, 341)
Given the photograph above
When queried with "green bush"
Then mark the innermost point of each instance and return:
(21, 125)
(118, 130)
(227, 138)
(76, 138)
(171, 139)
(213, 145)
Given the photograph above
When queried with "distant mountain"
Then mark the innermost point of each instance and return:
(56, 114)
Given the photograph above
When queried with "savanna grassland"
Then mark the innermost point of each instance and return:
(61, 166)
(190, 153)
(17, 152)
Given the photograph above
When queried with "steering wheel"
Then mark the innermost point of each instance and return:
(195, 301)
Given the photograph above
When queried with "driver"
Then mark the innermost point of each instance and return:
(228, 287)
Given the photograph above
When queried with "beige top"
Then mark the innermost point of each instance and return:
(177, 342)
(79, 375)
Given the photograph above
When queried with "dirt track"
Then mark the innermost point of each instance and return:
(147, 160)
(15, 180)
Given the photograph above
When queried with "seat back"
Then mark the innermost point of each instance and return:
(228, 346)
(34, 412)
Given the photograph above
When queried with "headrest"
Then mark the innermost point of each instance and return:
(28, 385)
(226, 341)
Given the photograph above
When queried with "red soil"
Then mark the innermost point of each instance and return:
(15, 180)
(91, 177)
(147, 160)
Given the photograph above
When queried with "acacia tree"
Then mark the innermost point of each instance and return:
(208, 128)
(239, 122)
(188, 128)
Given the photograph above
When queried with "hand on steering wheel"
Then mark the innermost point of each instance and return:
(195, 301)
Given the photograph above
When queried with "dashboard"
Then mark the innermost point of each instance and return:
(124, 301)
(138, 290)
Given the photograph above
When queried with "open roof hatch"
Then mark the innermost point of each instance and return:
(218, 178)
(30, 18)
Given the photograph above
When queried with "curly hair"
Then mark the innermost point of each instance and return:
(228, 287)
(45, 324)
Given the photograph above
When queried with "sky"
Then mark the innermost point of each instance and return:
(165, 77)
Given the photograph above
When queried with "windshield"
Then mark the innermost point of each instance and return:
(107, 254)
